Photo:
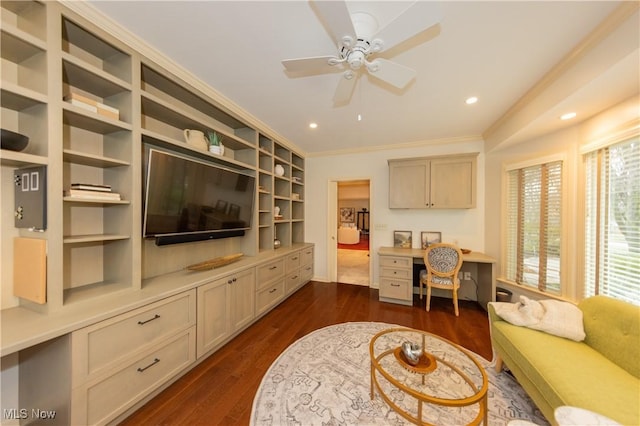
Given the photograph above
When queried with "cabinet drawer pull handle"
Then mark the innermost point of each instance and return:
(395, 285)
(149, 320)
(155, 361)
(272, 290)
(294, 258)
(272, 268)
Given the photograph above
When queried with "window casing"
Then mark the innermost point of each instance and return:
(612, 221)
(534, 226)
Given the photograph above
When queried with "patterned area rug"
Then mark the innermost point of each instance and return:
(324, 379)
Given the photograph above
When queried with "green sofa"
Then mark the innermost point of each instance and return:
(600, 374)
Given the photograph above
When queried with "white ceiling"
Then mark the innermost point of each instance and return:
(496, 51)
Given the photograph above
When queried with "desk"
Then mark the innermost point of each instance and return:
(396, 274)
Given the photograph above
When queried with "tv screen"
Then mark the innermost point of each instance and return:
(195, 199)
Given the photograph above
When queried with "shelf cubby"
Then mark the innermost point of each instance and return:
(95, 51)
(24, 60)
(27, 115)
(26, 15)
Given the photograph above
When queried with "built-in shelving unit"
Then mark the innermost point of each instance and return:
(49, 53)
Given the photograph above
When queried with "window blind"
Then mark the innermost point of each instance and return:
(533, 246)
(612, 221)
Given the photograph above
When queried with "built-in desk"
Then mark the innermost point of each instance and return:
(396, 274)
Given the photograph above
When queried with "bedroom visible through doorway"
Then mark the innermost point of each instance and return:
(353, 259)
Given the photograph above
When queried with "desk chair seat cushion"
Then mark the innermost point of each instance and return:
(436, 279)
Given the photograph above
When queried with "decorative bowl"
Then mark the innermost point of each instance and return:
(13, 141)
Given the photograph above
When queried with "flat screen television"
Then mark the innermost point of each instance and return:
(191, 200)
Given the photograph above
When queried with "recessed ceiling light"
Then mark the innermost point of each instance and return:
(313, 125)
(472, 100)
(568, 116)
(359, 117)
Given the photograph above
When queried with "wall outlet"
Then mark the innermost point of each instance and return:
(467, 276)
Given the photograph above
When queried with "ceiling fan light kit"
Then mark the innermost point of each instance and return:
(358, 37)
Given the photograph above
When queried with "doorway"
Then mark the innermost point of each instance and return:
(353, 210)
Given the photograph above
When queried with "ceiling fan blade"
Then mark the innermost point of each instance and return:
(337, 19)
(344, 91)
(316, 63)
(391, 72)
(420, 16)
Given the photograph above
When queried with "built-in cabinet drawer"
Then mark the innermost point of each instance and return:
(395, 289)
(306, 256)
(270, 271)
(269, 296)
(292, 262)
(100, 400)
(396, 262)
(104, 344)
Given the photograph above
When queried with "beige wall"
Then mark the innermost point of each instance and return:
(566, 144)
(462, 226)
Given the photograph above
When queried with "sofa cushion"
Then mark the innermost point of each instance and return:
(613, 329)
(566, 372)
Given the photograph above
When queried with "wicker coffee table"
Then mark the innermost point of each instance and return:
(447, 377)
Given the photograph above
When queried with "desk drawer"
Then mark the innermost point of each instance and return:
(396, 289)
(405, 274)
(103, 344)
(270, 271)
(396, 262)
(101, 400)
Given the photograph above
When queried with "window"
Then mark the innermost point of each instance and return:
(534, 199)
(612, 222)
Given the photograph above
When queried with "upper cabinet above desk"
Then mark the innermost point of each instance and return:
(443, 182)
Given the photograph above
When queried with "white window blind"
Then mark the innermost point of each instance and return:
(534, 200)
(612, 222)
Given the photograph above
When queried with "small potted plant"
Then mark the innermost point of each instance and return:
(215, 143)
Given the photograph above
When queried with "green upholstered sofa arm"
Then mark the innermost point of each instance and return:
(613, 329)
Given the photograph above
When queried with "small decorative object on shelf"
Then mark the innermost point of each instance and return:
(195, 138)
(215, 143)
(296, 179)
(279, 170)
(13, 141)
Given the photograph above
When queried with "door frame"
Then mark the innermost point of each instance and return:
(332, 227)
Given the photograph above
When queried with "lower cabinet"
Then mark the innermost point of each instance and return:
(224, 306)
(93, 375)
(396, 279)
(117, 362)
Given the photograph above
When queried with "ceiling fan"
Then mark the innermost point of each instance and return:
(359, 39)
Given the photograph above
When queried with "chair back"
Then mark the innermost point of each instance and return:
(443, 260)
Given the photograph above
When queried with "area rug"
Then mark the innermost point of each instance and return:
(363, 244)
(324, 379)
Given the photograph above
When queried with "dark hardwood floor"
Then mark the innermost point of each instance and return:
(220, 390)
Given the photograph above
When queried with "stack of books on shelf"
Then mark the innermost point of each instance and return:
(90, 191)
(92, 105)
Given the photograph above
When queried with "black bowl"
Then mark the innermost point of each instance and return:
(13, 141)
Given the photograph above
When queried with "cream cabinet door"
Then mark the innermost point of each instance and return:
(408, 184)
(213, 315)
(243, 297)
(453, 183)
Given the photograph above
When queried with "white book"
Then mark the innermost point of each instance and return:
(80, 193)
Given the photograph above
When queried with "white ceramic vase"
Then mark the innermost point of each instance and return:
(279, 170)
(216, 149)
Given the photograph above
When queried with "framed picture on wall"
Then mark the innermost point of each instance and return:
(402, 239)
(430, 237)
(347, 214)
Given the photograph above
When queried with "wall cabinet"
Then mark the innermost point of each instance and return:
(447, 182)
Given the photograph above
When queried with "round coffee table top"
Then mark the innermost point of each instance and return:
(457, 380)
